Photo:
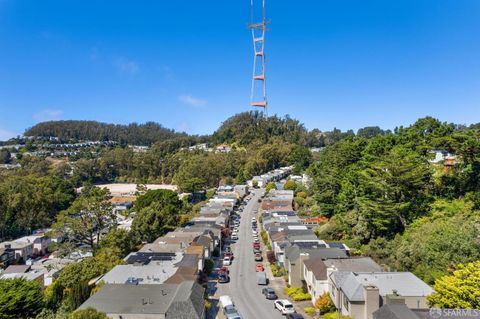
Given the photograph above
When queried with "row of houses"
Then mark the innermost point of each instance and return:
(272, 176)
(358, 286)
(165, 278)
(28, 257)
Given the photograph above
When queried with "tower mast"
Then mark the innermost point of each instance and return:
(258, 25)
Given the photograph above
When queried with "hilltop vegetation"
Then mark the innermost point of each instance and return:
(136, 134)
(385, 199)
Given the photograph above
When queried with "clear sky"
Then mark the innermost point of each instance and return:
(187, 64)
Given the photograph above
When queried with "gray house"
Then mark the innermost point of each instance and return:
(359, 295)
(164, 301)
(300, 251)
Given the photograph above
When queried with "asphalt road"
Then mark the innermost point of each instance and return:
(242, 288)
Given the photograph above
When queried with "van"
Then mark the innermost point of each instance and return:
(225, 301)
(261, 278)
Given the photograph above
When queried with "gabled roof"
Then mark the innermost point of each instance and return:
(319, 266)
(402, 283)
(293, 252)
(17, 269)
(394, 311)
(278, 236)
(183, 300)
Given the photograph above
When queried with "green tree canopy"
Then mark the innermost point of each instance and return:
(270, 186)
(161, 215)
(88, 313)
(20, 298)
(458, 290)
(89, 214)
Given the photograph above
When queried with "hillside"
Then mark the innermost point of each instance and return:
(137, 134)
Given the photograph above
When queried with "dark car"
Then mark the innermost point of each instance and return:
(223, 277)
(294, 316)
(269, 293)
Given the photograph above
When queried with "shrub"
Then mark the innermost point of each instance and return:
(209, 265)
(334, 315)
(278, 271)
(208, 305)
(310, 310)
(302, 195)
(324, 303)
(88, 313)
(297, 294)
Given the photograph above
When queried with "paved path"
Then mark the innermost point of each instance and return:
(243, 288)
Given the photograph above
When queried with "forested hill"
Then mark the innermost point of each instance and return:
(243, 129)
(253, 128)
(138, 134)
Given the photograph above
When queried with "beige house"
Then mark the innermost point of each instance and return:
(317, 272)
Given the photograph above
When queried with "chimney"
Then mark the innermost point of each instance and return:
(394, 298)
(371, 295)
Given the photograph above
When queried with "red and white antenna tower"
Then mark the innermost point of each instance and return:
(258, 25)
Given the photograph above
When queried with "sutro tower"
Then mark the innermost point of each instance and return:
(258, 25)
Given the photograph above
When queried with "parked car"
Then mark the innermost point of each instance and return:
(223, 277)
(224, 269)
(225, 301)
(284, 306)
(227, 261)
(228, 254)
(269, 293)
(256, 245)
(259, 268)
(258, 257)
(293, 316)
(261, 278)
(257, 251)
(230, 311)
(234, 237)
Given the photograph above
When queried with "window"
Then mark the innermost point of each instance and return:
(345, 302)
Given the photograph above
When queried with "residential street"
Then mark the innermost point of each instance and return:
(242, 288)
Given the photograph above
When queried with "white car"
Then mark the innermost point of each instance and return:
(227, 261)
(234, 237)
(284, 306)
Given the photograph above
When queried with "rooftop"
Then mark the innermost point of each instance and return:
(402, 283)
(185, 300)
(143, 275)
(319, 265)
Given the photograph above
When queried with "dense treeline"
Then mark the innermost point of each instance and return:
(253, 127)
(136, 134)
(242, 129)
(386, 198)
(31, 202)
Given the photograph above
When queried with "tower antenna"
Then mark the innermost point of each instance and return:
(258, 25)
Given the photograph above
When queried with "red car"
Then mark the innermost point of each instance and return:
(256, 245)
(224, 269)
(259, 268)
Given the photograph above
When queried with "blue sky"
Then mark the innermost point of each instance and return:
(187, 64)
